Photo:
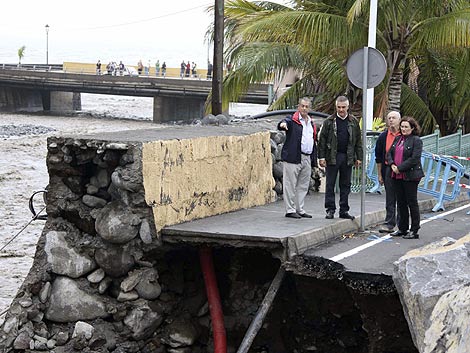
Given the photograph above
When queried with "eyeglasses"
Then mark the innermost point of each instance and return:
(405, 127)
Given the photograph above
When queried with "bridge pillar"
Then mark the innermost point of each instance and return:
(64, 101)
(20, 99)
(177, 108)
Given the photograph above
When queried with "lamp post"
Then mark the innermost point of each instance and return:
(47, 44)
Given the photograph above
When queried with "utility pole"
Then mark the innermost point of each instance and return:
(218, 68)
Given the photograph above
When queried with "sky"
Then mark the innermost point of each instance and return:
(86, 31)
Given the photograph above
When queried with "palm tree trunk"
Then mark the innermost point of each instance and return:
(394, 89)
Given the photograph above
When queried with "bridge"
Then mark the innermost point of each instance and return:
(41, 88)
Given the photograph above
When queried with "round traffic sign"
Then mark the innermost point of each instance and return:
(377, 67)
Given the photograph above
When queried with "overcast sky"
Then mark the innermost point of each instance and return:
(88, 30)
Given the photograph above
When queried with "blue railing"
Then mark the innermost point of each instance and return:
(443, 175)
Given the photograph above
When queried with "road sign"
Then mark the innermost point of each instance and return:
(376, 64)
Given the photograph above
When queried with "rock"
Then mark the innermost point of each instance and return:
(61, 338)
(22, 341)
(127, 296)
(117, 224)
(449, 331)
(93, 201)
(104, 285)
(148, 286)
(181, 333)
(116, 261)
(64, 259)
(96, 276)
(131, 281)
(45, 292)
(68, 303)
(142, 321)
(423, 277)
(83, 329)
(127, 179)
(145, 233)
(10, 324)
(278, 170)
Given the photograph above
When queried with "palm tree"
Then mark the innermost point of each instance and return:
(21, 54)
(315, 38)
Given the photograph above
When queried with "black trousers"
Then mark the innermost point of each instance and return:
(332, 171)
(406, 193)
(391, 217)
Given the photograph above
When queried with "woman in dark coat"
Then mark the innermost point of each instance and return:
(404, 157)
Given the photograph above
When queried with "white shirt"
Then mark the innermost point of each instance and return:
(306, 145)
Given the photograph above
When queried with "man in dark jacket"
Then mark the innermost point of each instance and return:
(384, 142)
(339, 148)
(298, 155)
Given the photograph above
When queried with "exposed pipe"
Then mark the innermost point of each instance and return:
(262, 311)
(213, 298)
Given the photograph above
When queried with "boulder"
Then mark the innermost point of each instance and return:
(68, 303)
(430, 279)
(117, 224)
(64, 259)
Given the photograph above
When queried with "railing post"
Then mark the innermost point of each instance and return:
(459, 131)
(438, 135)
(270, 93)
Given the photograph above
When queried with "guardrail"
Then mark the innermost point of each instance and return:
(32, 67)
(441, 178)
(443, 173)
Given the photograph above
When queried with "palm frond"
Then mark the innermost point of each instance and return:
(448, 31)
(413, 105)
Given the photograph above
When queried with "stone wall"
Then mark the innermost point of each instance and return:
(101, 279)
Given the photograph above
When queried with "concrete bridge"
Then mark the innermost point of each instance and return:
(174, 99)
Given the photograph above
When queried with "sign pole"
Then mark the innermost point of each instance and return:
(365, 72)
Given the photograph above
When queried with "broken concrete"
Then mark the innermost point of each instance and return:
(433, 284)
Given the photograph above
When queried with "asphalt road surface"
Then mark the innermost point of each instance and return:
(373, 252)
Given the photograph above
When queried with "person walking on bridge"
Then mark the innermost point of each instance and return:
(298, 155)
(404, 159)
(384, 142)
(339, 148)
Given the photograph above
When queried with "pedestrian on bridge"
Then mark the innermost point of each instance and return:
(339, 148)
(98, 67)
(404, 159)
(384, 172)
(157, 68)
(298, 155)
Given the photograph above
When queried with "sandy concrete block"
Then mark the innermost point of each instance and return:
(194, 178)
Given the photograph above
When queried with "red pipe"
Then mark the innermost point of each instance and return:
(213, 297)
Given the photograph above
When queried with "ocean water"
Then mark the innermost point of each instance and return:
(141, 108)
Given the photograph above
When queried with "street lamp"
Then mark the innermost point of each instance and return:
(47, 44)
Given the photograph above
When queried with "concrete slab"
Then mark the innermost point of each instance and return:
(267, 227)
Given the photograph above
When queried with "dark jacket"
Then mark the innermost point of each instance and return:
(380, 151)
(328, 143)
(411, 165)
(291, 151)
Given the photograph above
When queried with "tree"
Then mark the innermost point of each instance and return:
(21, 53)
(315, 38)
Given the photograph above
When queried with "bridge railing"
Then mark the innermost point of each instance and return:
(32, 67)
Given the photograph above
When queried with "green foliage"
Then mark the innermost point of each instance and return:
(314, 39)
(377, 124)
(21, 52)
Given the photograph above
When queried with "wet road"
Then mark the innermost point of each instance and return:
(373, 252)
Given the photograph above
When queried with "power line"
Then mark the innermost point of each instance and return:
(144, 20)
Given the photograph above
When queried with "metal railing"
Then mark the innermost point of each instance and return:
(452, 145)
